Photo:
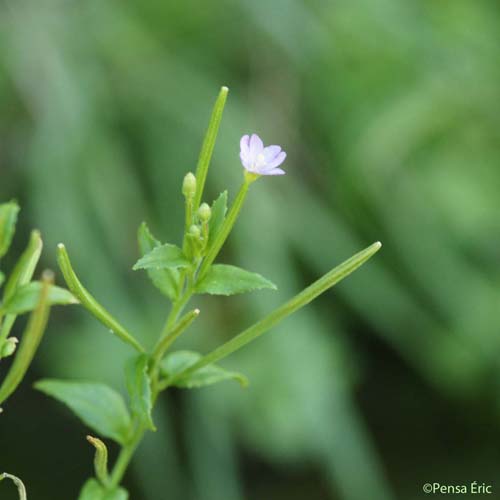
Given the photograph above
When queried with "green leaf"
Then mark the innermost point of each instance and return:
(26, 298)
(219, 209)
(163, 257)
(92, 490)
(178, 361)
(166, 280)
(21, 275)
(30, 340)
(2, 278)
(8, 219)
(97, 405)
(222, 279)
(25, 266)
(208, 145)
(139, 389)
(90, 303)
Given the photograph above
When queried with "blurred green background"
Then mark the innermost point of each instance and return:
(389, 112)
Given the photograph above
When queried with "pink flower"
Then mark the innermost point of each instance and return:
(258, 159)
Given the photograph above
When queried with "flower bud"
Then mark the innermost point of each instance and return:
(204, 212)
(9, 347)
(194, 232)
(189, 185)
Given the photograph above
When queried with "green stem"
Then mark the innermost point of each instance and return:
(90, 303)
(272, 319)
(124, 457)
(167, 340)
(226, 228)
(187, 222)
(170, 332)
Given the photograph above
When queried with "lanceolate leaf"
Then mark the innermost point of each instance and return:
(8, 219)
(163, 257)
(25, 266)
(178, 361)
(139, 389)
(166, 280)
(92, 490)
(21, 275)
(222, 279)
(219, 209)
(99, 406)
(29, 342)
(90, 303)
(26, 298)
(208, 145)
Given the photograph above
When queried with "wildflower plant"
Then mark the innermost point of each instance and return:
(21, 295)
(179, 273)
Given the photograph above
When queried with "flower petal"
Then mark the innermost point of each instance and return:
(278, 160)
(256, 145)
(270, 152)
(245, 160)
(274, 171)
(244, 144)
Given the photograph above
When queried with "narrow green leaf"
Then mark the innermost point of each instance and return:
(219, 209)
(2, 278)
(97, 405)
(8, 219)
(26, 298)
(208, 146)
(139, 389)
(29, 342)
(272, 319)
(166, 280)
(222, 279)
(164, 257)
(21, 275)
(90, 303)
(25, 266)
(179, 361)
(92, 490)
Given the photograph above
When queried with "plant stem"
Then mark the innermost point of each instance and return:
(272, 319)
(124, 457)
(165, 342)
(226, 228)
(170, 332)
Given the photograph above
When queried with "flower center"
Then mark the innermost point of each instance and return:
(260, 161)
